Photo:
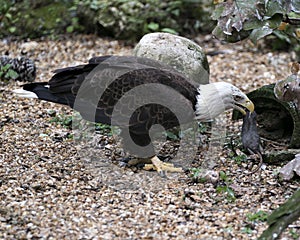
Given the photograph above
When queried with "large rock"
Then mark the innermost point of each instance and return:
(181, 53)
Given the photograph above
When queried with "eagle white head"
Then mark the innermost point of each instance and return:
(215, 98)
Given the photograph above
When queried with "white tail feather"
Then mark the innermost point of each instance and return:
(25, 94)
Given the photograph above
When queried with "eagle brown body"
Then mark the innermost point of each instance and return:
(71, 86)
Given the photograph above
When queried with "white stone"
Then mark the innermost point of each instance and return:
(181, 53)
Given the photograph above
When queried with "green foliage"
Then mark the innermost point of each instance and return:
(228, 191)
(131, 19)
(103, 128)
(172, 135)
(247, 230)
(195, 174)
(176, 134)
(256, 19)
(6, 73)
(63, 120)
(125, 19)
(34, 18)
(203, 127)
(294, 234)
(6, 17)
(261, 216)
(74, 26)
(128, 19)
(225, 187)
(239, 158)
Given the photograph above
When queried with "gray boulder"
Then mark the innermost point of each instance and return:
(181, 53)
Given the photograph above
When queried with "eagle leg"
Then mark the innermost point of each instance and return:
(161, 166)
(154, 163)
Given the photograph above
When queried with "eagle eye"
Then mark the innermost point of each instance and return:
(237, 98)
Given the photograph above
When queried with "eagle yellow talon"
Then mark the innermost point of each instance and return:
(149, 167)
(155, 164)
(161, 166)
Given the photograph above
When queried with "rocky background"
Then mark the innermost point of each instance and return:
(50, 189)
(53, 186)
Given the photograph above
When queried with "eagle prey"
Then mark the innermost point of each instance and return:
(136, 94)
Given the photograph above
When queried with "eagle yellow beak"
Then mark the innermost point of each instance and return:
(247, 104)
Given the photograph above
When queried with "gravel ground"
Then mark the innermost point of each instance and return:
(54, 188)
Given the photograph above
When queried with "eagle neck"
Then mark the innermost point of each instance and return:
(210, 102)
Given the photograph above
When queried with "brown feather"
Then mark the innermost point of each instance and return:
(95, 88)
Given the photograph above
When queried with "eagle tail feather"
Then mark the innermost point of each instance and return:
(20, 92)
(41, 91)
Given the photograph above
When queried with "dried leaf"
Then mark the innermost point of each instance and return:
(282, 26)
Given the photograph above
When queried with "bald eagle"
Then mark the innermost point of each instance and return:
(102, 91)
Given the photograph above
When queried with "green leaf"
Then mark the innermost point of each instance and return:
(218, 33)
(272, 22)
(253, 23)
(67, 121)
(11, 74)
(275, 21)
(223, 176)
(169, 30)
(259, 216)
(75, 20)
(153, 26)
(247, 230)
(282, 36)
(102, 127)
(230, 193)
(235, 14)
(5, 68)
(176, 12)
(221, 189)
(238, 18)
(171, 135)
(295, 6)
(294, 15)
(274, 7)
(294, 18)
(70, 29)
(8, 15)
(12, 29)
(217, 13)
(259, 33)
(64, 120)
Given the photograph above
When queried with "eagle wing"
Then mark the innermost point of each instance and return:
(95, 89)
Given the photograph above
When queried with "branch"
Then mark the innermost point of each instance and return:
(281, 217)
